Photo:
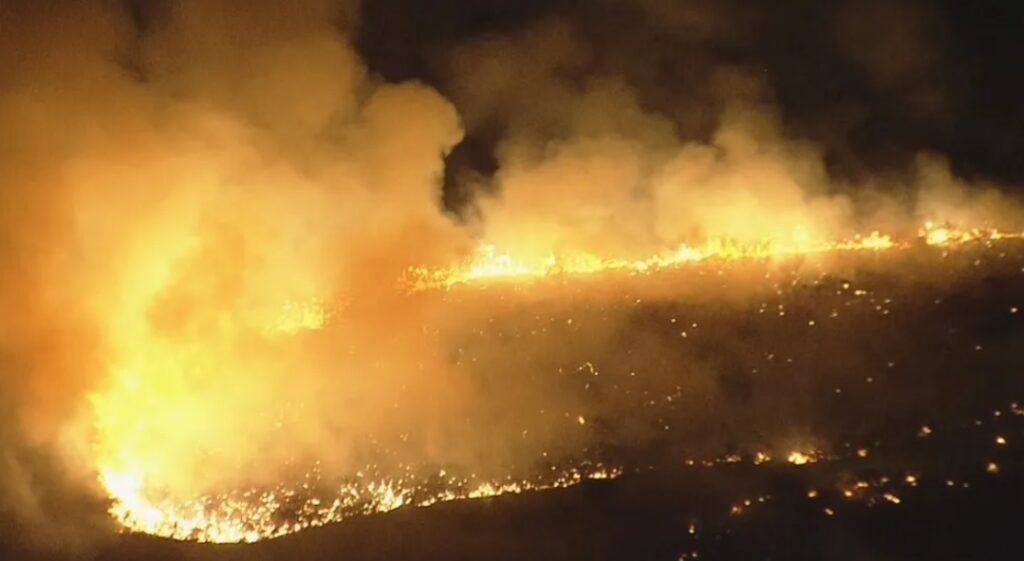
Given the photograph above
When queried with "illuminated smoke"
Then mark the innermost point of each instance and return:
(176, 205)
(214, 229)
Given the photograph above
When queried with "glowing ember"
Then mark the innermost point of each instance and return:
(146, 403)
(800, 458)
(892, 498)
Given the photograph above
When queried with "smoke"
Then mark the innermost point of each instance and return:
(595, 155)
(180, 191)
(208, 207)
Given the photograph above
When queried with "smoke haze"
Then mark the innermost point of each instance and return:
(207, 210)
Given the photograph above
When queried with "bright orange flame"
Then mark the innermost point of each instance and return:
(149, 409)
(491, 264)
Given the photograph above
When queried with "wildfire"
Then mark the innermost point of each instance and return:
(949, 235)
(253, 515)
(148, 400)
(490, 264)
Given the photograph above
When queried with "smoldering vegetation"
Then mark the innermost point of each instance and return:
(179, 178)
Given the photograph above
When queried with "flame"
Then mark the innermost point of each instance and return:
(948, 234)
(490, 264)
(800, 458)
(168, 393)
(149, 403)
(253, 515)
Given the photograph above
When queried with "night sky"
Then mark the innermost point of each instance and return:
(938, 76)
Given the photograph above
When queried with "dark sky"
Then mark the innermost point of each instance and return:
(873, 81)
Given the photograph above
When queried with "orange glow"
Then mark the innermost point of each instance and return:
(490, 264)
(149, 411)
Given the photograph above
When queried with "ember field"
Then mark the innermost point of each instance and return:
(865, 407)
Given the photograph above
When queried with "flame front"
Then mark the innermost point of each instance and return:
(253, 515)
(491, 264)
(165, 392)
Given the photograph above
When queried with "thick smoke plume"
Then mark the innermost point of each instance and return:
(594, 155)
(207, 209)
(176, 197)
